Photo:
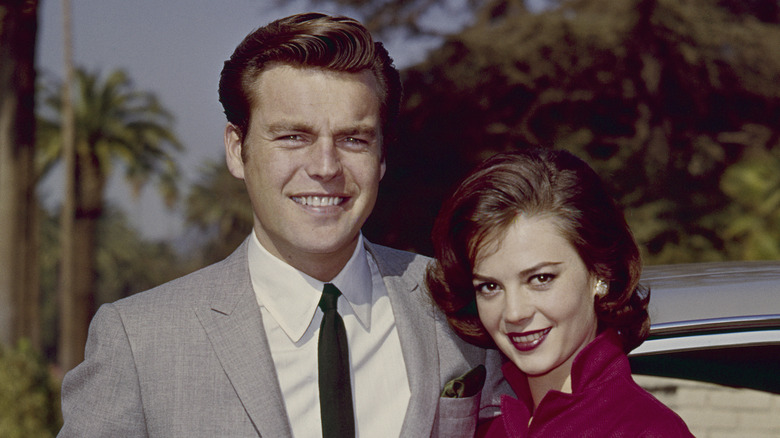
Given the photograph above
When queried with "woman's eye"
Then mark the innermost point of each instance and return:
(542, 279)
(487, 288)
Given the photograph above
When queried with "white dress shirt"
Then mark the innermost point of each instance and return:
(288, 301)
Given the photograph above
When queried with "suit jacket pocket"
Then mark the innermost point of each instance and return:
(457, 417)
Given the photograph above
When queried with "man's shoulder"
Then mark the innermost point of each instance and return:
(196, 285)
(396, 260)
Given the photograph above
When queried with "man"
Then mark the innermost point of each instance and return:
(232, 350)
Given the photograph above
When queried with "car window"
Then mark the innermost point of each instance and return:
(741, 366)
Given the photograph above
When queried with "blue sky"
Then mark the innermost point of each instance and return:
(174, 48)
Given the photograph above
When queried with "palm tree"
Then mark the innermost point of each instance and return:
(19, 301)
(219, 205)
(113, 123)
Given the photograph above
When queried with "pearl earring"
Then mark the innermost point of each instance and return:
(601, 288)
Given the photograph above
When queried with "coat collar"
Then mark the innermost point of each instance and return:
(417, 332)
(234, 325)
(233, 322)
(601, 360)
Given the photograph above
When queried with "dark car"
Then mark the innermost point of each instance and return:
(717, 323)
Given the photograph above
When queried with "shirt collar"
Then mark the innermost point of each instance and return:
(291, 296)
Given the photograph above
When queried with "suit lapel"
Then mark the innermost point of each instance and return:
(417, 333)
(232, 320)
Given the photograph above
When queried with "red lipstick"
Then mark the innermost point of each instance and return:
(528, 341)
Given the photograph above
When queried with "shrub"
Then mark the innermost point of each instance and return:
(29, 395)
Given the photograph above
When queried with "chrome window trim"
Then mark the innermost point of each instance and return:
(708, 341)
(738, 323)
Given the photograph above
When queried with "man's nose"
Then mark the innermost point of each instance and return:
(325, 160)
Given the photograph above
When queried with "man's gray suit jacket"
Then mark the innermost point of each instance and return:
(190, 359)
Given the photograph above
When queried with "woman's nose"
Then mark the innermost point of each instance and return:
(517, 307)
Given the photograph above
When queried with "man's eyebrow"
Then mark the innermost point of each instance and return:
(363, 130)
(283, 127)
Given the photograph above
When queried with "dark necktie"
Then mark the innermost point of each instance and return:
(336, 409)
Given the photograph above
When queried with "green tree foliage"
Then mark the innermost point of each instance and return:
(415, 15)
(219, 206)
(410, 16)
(49, 259)
(751, 222)
(767, 11)
(114, 123)
(660, 96)
(126, 263)
(29, 396)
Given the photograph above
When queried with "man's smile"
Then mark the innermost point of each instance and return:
(319, 201)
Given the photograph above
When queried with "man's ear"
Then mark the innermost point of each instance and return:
(382, 169)
(233, 145)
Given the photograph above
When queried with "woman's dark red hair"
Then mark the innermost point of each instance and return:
(537, 182)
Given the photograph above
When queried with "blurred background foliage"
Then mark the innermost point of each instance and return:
(676, 103)
(29, 395)
(126, 263)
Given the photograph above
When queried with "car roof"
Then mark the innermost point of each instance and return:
(714, 322)
(712, 291)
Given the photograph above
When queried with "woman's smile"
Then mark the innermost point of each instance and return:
(528, 341)
(535, 297)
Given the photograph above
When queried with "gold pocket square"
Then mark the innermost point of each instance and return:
(466, 385)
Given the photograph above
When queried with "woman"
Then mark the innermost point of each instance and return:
(533, 257)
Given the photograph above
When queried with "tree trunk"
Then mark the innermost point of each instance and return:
(73, 295)
(79, 307)
(19, 289)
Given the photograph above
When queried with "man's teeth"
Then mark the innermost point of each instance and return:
(318, 201)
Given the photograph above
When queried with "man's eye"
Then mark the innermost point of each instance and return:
(355, 142)
(290, 137)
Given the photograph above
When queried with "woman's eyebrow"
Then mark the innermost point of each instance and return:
(538, 267)
(525, 272)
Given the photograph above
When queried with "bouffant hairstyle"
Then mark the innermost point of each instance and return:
(537, 182)
(309, 40)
